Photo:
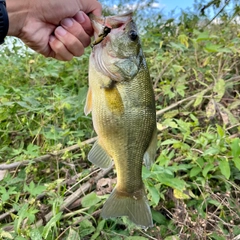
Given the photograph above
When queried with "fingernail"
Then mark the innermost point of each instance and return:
(60, 31)
(67, 22)
(80, 17)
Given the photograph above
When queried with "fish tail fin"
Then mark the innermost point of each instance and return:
(135, 206)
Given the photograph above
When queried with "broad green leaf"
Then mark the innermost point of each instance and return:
(199, 99)
(219, 89)
(35, 234)
(174, 183)
(86, 228)
(73, 235)
(171, 114)
(225, 168)
(90, 200)
(155, 195)
(159, 217)
(207, 168)
(174, 237)
(195, 171)
(203, 36)
(220, 131)
(235, 150)
(212, 47)
(169, 141)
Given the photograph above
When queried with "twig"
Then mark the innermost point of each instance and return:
(75, 195)
(42, 195)
(216, 14)
(162, 111)
(47, 156)
(70, 199)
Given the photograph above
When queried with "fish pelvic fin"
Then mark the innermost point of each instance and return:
(88, 104)
(135, 206)
(99, 156)
(149, 156)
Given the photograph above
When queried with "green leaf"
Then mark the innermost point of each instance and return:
(207, 168)
(171, 182)
(195, 171)
(219, 89)
(212, 48)
(169, 141)
(174, 237)
(73, 235)
(199, 99)
(155, 195)
(86, 228)
(52, 223)
(225, 168)
(35, 234)
(90, 200)
(136, 238)
(203, 36)
(235, 150)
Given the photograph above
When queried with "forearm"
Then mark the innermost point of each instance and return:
(17, 13)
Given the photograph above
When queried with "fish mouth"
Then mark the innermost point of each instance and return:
(112, 22)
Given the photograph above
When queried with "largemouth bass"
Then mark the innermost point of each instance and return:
(121, 100)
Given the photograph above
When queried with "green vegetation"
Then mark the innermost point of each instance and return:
(48, 189)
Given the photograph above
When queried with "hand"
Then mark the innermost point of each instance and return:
(55, 28)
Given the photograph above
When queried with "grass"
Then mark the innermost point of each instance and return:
(50, 191)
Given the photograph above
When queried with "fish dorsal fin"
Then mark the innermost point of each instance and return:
(88, 104)
(149, 155)
(99, 156)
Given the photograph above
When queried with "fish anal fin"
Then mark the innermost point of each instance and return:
(88, 104)
(149, 156)
(134, 206)
(99, 156)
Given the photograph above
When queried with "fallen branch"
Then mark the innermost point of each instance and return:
(162, 111)
(75, 195)
(47, 156)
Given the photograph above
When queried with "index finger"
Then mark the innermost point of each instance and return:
(92, 6)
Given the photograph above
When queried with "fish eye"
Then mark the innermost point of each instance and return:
(133, 35)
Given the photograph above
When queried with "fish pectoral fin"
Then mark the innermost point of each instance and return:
(136, 208)
(88, 104)
(99, 156)
(128, 68)
(149, 156)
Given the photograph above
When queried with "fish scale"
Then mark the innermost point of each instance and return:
(121, 100)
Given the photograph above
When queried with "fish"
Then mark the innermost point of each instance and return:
(121, 100)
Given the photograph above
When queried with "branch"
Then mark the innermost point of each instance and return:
(47, 156)
(75, 195)
(162, 111)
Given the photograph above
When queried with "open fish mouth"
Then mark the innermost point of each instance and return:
(103, 25)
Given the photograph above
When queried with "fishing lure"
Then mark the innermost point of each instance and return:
(106, 31)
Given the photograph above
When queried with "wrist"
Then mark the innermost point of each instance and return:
(17, 13)
(4, 23)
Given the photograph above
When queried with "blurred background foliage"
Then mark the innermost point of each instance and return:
(193, 188)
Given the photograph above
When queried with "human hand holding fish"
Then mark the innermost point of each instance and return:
(121, 100)
(55, 28)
